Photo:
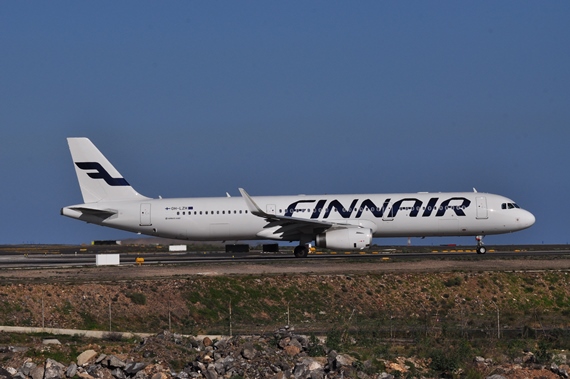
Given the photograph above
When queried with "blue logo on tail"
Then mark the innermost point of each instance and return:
(101, 173)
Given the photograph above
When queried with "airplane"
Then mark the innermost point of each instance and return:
(331, 221)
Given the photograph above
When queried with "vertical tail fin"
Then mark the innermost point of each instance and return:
(98, 179)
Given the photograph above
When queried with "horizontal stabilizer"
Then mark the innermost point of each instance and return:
(95, 212)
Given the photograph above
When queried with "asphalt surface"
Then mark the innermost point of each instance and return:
(38, 256)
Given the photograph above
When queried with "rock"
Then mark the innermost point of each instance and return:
(27, 368)
(51, 341)
(248, 351)
(148, 354)
(84, 375)
(11, 370)
(133, 368)
(207, 359)
(71, 370)
(528, 358)
(344, 360)
(284, 342)
(495, 377)
(210, 373)
(385, 375)
(207, 342)
(114, 362)
(300, 371)
(303, 341)
(100, 358)
(296, 343)
(37, 372)
(118, 374)
(219, 367)
(54, 370)
(159, 375)
(221, 344)
(4, 374)
(85, 357)
(312, 365)
(226, 362)
(292, 350)
(331, 357)
(100, 372)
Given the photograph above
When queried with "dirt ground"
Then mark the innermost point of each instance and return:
(89, 276)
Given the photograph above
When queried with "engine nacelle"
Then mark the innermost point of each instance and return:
(348, 238)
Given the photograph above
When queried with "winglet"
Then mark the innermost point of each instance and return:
(253, 207)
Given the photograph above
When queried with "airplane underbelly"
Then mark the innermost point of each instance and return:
(219, 230)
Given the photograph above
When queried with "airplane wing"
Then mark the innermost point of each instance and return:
(288, 228)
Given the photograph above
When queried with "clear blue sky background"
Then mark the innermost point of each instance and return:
(199, 98)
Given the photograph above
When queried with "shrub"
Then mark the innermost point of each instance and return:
(137, 298)
(453, 282)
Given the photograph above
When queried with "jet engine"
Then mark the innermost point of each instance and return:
(347, 238)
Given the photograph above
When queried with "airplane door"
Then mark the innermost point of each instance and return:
(145, 215)
(482, 212)
(270, 209)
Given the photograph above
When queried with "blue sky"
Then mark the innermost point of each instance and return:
(199, 98)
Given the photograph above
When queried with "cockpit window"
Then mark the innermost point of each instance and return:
(509, 206)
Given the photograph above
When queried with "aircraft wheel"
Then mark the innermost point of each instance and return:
(481, 249)
(301, 251)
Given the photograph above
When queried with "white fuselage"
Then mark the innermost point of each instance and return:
(386, 215)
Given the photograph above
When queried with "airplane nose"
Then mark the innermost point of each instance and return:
(526, 219)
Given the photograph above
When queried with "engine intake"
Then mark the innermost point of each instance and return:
(348, 238)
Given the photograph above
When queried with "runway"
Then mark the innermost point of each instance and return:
(38, 256)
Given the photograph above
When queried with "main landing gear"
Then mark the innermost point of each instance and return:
(301, 251)
(481, 249)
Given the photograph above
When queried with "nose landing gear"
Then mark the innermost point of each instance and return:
(481, 249)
